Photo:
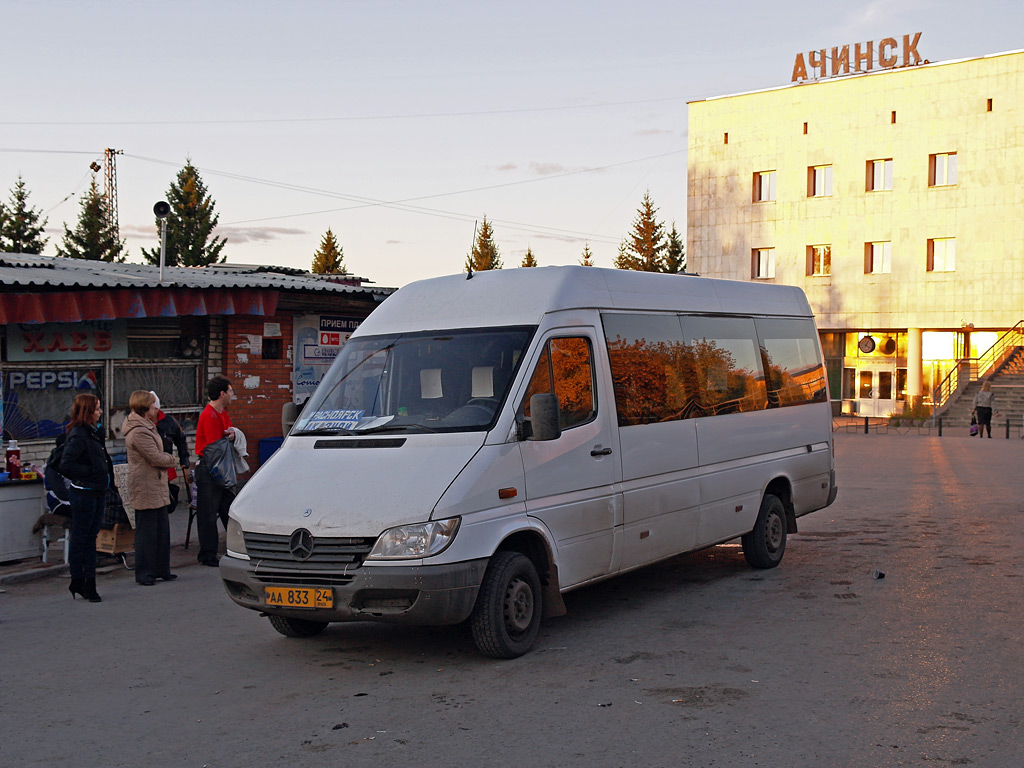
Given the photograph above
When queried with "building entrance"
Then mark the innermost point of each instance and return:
(876, 393)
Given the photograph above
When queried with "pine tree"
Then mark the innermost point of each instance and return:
(587, 258)
(93, 237)
(625, 259)
(485, 254)
(675, 253)
(20, 228)
(190, 224)
(329, 258)
(529, 260)
(646, 242)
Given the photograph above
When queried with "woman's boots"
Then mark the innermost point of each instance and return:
(86, 588)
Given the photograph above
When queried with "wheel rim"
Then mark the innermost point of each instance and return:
(518, 606)
(774, 532)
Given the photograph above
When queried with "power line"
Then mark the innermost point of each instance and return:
(348, 118)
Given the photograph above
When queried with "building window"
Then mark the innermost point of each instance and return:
(942, 170)
(819, 260)
(819, 181)
(878, 258)
(764, 187)
(763, 263)
(942, 254)
(879, 175)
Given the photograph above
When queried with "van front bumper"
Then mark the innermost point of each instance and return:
(402, 594)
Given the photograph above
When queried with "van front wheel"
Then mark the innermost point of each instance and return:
(507, 614)
(297, 627)
(764, 546)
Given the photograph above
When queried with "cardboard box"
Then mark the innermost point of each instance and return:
(114, 541)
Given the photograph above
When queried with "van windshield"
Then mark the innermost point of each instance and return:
(438, 381)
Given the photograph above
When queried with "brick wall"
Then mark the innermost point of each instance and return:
(262, 386)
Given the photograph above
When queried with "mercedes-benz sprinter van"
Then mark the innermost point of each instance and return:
(484, 443)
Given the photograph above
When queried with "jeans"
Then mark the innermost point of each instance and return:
(86, 516)
(212, 502)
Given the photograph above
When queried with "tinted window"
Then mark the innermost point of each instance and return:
(791, 360)
(652, 369)
(566, 369)
(727, 364)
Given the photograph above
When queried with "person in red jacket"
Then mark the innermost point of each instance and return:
(212, 500)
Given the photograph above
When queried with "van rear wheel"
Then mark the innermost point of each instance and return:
(765, 545)
(297, 627)
(506, 617)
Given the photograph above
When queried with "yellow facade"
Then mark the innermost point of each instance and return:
(955, 258)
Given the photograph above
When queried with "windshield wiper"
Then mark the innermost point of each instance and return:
(395, 427)
(325, 431)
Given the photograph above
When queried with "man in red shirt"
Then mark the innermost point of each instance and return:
(212, 500)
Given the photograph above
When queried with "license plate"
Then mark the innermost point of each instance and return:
(300, 597)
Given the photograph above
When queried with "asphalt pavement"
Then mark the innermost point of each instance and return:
(889, 636)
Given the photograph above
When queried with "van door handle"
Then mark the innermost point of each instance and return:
(601, 452)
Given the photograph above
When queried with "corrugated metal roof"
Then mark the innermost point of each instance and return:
(19, 272)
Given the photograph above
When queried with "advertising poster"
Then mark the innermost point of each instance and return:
(317, 341)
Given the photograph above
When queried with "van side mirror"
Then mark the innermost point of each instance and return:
(544, 422)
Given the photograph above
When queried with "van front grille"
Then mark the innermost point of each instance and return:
(276, 550)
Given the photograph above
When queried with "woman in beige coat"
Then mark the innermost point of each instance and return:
(147, 489)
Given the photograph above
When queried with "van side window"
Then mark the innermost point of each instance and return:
(727, 363)
(792, 363)
(566, 369)
(652, 369)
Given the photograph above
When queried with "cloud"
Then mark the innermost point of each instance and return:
(507, 167)
(234, 234)
(546, 169)
(392, 242)
(655, 132)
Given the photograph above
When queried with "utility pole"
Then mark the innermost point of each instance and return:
(110, 184)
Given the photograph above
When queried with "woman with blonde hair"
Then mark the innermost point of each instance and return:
(147, 488)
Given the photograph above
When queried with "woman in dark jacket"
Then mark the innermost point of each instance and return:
(87, 465)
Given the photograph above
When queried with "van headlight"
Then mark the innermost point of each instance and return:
(235, 538)
(416, 540)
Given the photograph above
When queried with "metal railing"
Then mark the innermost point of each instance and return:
(971, 369)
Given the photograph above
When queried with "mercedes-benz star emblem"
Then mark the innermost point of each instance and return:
(301, 544)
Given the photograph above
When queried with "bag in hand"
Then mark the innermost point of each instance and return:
(974, 425)
(219, 460)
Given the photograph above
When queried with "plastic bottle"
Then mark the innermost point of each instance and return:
(12, 459)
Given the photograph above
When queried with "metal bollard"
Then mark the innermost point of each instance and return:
(865, 425)
(940, 426)
(1007, 428)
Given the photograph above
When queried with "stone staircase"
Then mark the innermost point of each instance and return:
(1008, 385)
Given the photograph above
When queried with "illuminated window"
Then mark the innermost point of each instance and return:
(819, 260)
(942, 170)
(879, 175)
(764, 187)
(763, 263)
(878, 258)
(819, 181)
(942, 254)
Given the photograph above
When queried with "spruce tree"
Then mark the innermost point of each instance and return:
(675, 253)
(20, 228)
(485, 254)
(190, 224)
(329, 259)
(646, 242)
(625, 259)
(93, 237)
(529, 260)
(587, 258)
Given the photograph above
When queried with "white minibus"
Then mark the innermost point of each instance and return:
(484, 443)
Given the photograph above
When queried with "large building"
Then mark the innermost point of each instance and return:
(894, 198)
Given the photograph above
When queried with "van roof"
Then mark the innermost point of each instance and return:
(522, 296)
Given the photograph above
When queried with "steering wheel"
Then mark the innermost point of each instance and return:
(483, 402)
